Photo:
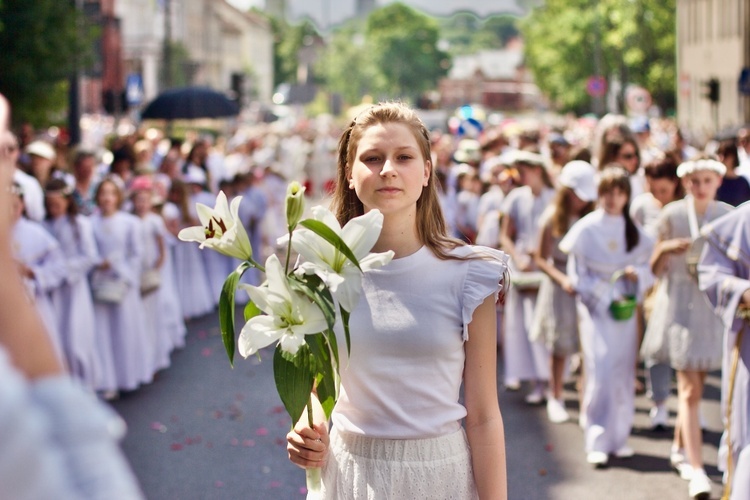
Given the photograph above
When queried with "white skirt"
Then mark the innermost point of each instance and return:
(360, 467)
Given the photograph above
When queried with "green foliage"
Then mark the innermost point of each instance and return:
(226, 309)
(288, 40)
(633, 41)
(405, 50)
(42, 42)
(468, 34)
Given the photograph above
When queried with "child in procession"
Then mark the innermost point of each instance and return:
(397, 429)
(605, 249)
(683, 330)
(125, 348)
(519, 234)
(555, 318)
(73, 304)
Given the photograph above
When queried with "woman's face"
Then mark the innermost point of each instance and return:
(57, 204)
(662, 189)
(613, 201)
(108, 199)
(389, 171)
(530, 175)
(703, 184)
(142, 202)
(628, 157)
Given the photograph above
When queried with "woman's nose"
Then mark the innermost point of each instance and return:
(387, 168)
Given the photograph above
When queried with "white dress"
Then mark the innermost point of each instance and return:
(38, 250)
(524, 360)
(72, 300)
(683, 330)
(724, 274)
(555, 318)
(151, 228)
(596, 250)
(193, 287)
(171, 318)
(126, 350)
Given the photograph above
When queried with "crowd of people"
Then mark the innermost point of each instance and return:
(602, 225)
(604, 239)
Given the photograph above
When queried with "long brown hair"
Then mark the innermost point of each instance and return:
(561, 211)
(615, 176)
(430, 222)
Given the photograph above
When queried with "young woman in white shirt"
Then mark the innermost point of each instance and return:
(424, 326)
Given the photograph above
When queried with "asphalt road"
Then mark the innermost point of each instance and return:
(202, 430)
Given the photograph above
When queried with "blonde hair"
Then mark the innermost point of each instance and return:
(431, 229)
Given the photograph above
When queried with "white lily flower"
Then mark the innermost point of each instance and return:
(342, 277)
(220, 229)
(290, 315)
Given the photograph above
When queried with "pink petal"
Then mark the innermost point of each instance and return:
(206, 352)
(262, 431)
(277, 409)
(219, 484)
(302, 490)
(234, 442)
(202, 334)
(275, 484)
(248, 443)
(549, 447)
(176, 447)
(218, 414)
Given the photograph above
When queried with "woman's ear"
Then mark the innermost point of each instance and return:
(427, 172)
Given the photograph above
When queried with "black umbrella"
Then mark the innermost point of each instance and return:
(190, 103)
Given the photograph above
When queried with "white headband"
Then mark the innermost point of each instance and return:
(690, 167)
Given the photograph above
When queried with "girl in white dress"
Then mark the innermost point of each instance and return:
(190, 271)
(555, 319)
(424, 325)
(41, 264)
(519, 237)
(683, 330)
(125, 348)
(73, 304)
(599, 246)
(154, 258)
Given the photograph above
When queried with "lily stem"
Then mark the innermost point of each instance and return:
(288, 252)
(310, 412)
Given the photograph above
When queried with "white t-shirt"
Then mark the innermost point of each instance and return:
(408, 329)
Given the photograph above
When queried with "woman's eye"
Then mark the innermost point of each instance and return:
(404, 157)
(371, 159)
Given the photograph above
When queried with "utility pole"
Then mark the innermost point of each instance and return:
(167, 49)
(74, 94)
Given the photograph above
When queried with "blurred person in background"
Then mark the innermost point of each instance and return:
(58, 440)
(735, 189)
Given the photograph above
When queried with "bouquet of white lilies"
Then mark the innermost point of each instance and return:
(297, 308)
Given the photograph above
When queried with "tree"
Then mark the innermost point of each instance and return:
(348, 66)
(568, 41)
(288, 41)
(404, 50)
(42, 42)
(468, 34)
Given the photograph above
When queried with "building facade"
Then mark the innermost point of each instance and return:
(496, 79)
(713, 43)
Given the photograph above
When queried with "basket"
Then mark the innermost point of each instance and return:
(622, 309)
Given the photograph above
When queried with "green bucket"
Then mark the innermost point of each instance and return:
(622, 308)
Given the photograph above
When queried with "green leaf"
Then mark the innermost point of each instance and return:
(331, 237)
(294, 380)
(226, 309)
(251, 311)
(313, 288)
(324, 376)
(345, 321)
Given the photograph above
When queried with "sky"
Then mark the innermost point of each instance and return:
(340, 10)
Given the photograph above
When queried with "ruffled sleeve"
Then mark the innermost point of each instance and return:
(487, 274)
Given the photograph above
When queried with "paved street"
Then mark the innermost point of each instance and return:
(205, 431)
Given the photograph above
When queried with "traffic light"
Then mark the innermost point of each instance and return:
(711, 90)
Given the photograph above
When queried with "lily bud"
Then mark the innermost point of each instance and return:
(295, 204)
